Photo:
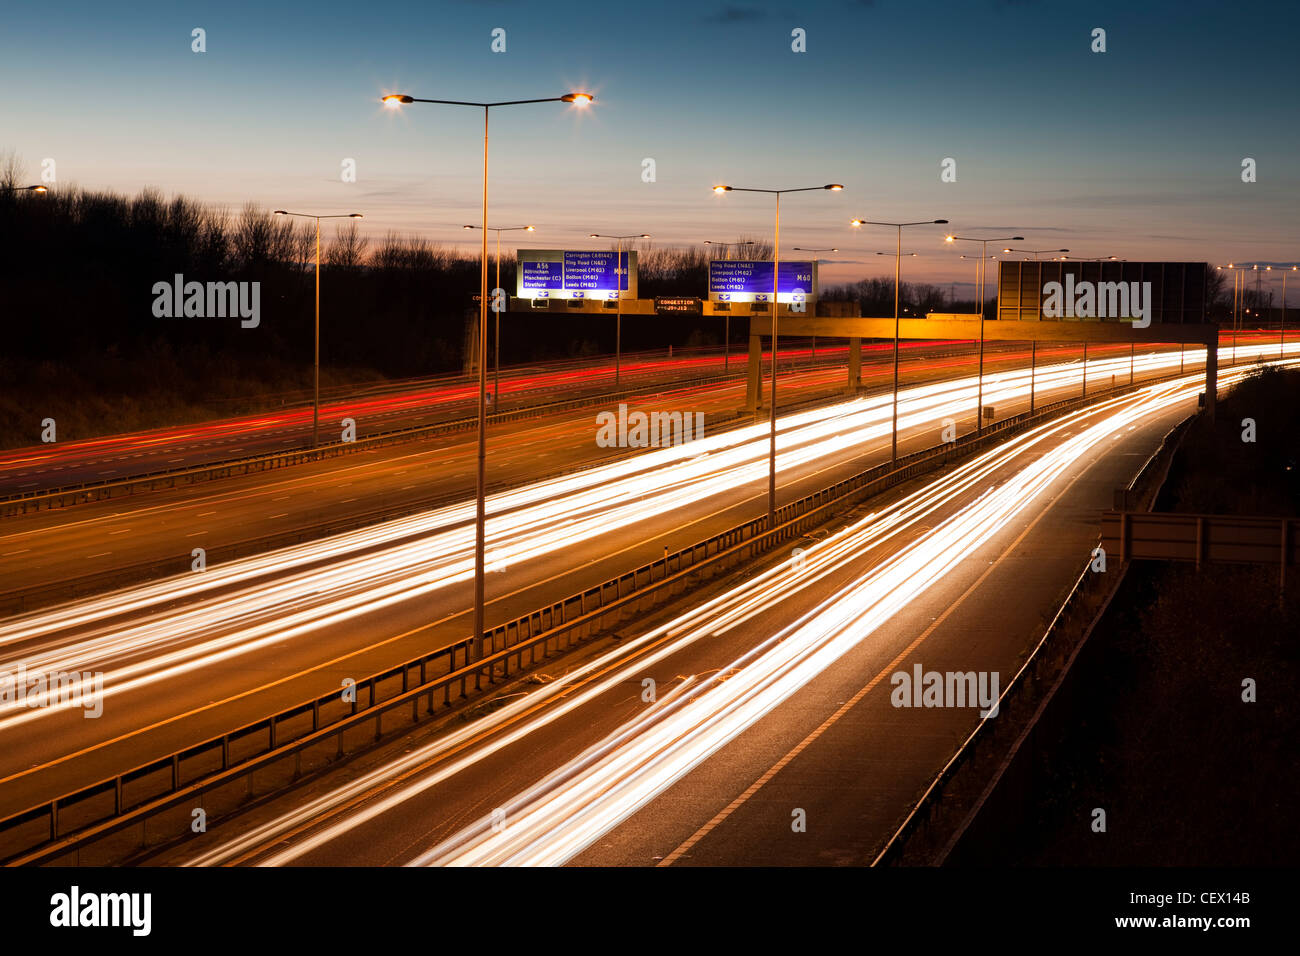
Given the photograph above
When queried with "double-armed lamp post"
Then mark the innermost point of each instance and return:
(400, 99)
(1282, 326)
(898, 266)
(776, 282)
(620, 277)
(1036, 252)
(815, 252)
(984, 254)
(496, 338)
(315, 402)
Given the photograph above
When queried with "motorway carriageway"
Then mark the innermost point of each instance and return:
(191, 657)
(772, 691)
(53, 547)
(375, 408)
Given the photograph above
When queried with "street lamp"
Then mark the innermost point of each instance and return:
(315, 404)
(25, 189)
(496, 362)
(776, 278)
(725, 245)
(1238, 301)
(620, 277)
(815, 252)
(984, 254)
(1282, 327)
(1035, 252)
(898, 266)
(394, 100)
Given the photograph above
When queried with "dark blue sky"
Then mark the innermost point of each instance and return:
(1135, 152)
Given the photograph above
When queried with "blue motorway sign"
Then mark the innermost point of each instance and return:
(554, 273)
(744, 280)
(543, 275)
(595, 270)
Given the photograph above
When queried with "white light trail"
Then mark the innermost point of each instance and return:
(552, 821)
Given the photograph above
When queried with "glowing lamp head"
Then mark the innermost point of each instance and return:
(577, 99)
(394, 100)
(856, 222)
(529, 229)
(39, 189)
(721, 189)
(355, 215)
(833, 187)
(949, 238)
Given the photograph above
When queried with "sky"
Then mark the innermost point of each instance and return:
(1134, 152)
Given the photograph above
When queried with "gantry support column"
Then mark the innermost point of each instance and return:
(855, 364)
(754, 374)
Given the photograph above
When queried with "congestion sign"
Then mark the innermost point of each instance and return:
(750, 280)
(582, 274)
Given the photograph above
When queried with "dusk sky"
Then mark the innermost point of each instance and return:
(1135, 152)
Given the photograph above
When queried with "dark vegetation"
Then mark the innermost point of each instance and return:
(82, 345)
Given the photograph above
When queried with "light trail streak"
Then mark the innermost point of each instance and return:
(573, 806)
(157, 632)
(613, 779)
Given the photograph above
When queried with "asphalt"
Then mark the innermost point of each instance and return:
(852, 762)
(105, 539)
(61, 749)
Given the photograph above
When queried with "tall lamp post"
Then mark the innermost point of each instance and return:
(496, 337)
(398, 99)
(776, 283)
(620, 277)
(1282, 327)
(1238, 301)
(898, 266)
(315, 404)
(984, 254)
(815, 253)
(726, 316)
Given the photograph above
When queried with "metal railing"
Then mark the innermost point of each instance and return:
(1083, 607)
